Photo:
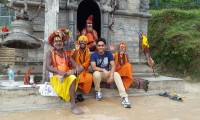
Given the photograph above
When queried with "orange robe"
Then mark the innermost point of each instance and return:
(92, 37)
(85, 78)
(124, 70)
(59, 63)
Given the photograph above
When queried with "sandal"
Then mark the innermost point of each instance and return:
(165, 94)
(176, 98)
(79, 98)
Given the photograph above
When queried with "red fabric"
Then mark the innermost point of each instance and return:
(4, 29)
(90, 19)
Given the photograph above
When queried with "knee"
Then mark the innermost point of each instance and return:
(96, 74)
(116, 74)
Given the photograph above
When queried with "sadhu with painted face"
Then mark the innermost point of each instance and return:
(81, 55)
(123, 67)
(90, 33)
(64, 79)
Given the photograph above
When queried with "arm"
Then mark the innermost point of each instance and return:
(95, 68)
(87, 61)
(83, 32)
(95, 34)
(74, 53)
(110, 79)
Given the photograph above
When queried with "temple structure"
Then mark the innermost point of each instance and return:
(114, 20)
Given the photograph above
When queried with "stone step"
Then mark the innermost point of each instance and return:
(17, 77)
(145, 75)
(7, 59)
(15, 98)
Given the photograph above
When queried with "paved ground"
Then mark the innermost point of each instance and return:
(144, 108)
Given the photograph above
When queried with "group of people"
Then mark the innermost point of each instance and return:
(70, 68)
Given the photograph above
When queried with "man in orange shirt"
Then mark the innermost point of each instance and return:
(82, 56)
(90, 33)
(64, 80)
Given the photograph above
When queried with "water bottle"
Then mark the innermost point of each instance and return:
(11, 75)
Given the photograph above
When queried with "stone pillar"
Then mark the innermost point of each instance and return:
(105, 23)
(51, 23)
(72, 29)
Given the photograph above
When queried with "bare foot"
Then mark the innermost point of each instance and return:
(77, 111)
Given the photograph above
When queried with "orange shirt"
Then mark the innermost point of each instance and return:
(60, 62)
(92, 37)
(82, 58)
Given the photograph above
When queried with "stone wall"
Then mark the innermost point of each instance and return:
(125, 30)
(128, 21)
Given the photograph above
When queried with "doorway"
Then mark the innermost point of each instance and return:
(85, 9)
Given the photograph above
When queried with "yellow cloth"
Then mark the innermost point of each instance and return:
(83, 37)
(62, 89)
(144, 42)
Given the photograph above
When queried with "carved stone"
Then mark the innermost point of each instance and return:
(144, 5)
(122, 4)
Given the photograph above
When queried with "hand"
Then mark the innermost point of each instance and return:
(110, 79)
(71, 72)
(61, 73)
(107, 73)
(77, 46)
(79, 69)
(60, 78)
(112, 46)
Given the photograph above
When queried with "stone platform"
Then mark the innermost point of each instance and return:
(19, 99)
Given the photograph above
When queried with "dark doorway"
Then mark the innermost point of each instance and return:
(85, 9)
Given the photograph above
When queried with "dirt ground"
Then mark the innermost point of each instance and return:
(143, 108)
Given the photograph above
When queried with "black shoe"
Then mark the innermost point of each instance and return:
(79, 98)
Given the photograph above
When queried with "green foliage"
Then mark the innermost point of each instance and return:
(181, 4)
(4, 1)
(175, 39)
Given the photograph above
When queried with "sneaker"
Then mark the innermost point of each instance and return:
(126, 102)
(98, 95)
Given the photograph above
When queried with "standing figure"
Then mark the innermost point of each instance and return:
(27, 76)
(123, 67)
(82, 56)
(90, 33)
(64, 79)
(145, 49)
(100, 62)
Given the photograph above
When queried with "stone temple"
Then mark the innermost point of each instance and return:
(114, 20)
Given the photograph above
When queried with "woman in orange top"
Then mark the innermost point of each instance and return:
(64, 80)
(82, 56)
(123, 67)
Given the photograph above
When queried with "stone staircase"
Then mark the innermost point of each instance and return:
(26, 98)
(7, 55)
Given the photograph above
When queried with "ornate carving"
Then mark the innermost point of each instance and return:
(144, 5)
(21, 13)
(122, 4)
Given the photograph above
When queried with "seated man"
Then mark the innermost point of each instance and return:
(90, 33)
(82, 56)
(123, 67)
(100, 61)
(64, 80)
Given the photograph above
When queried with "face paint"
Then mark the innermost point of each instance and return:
(122, 48)
(58, 43)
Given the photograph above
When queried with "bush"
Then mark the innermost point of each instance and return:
(175, 39)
